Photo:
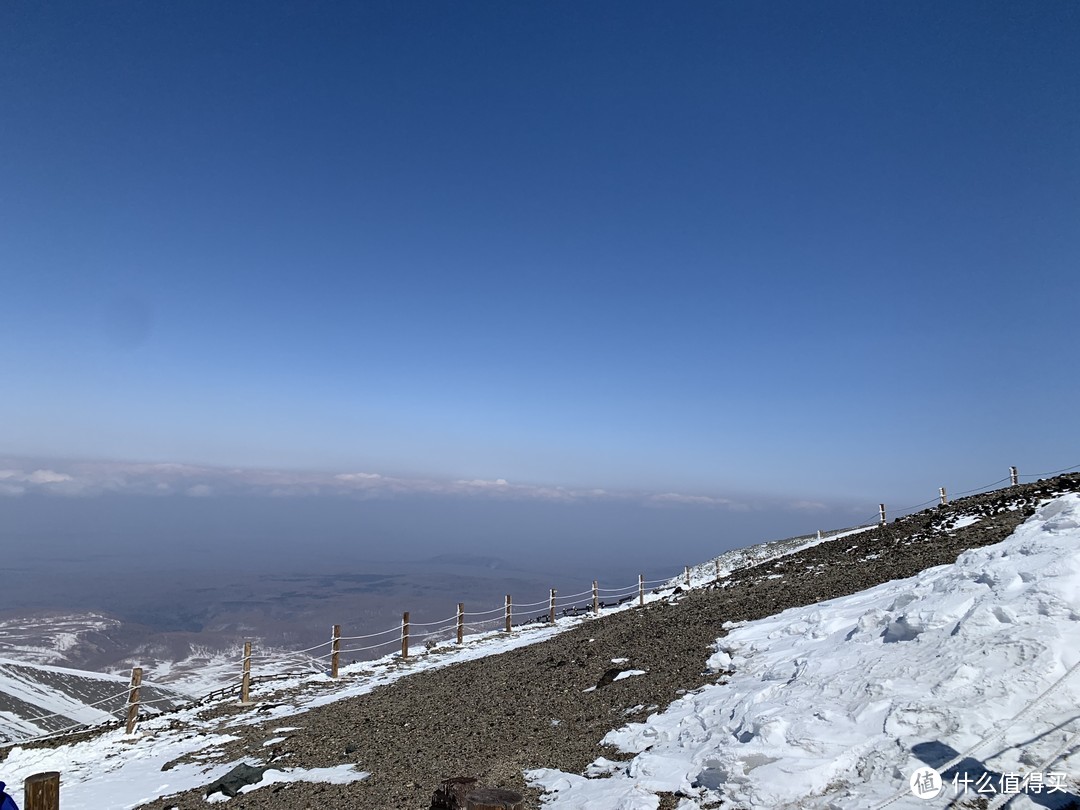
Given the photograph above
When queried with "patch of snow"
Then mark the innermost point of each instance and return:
(337, 775)
(113, 771)
(966, 520)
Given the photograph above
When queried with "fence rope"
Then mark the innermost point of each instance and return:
(478, 627)
(524, 605)
(437, 631)
(500, 609)
(309, 649)
(370, 647)
(1050, 474)
(625, 592)
(125, 693)
(157, 700)
(997, 734)
(1004, 798)
(370, 635)
(61, 732)
(573, 595)
(980, 489)
(428, 624)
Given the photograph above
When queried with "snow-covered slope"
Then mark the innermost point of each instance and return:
(37, 700)
(740, 559)
(969, 669)
(53, 640)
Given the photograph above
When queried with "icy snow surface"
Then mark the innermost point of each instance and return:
(836, 704)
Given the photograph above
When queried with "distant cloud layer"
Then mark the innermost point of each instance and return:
(74, 479)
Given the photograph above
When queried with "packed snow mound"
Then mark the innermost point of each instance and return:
(837, 704)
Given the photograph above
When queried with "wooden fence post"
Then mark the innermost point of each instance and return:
(687, 572)
(460, 622)
(245, 680)
(405, 634)
(944, 497)
(1014, 476)
(335, 650)
(596, 596)
(641, 590)
(551, 607)
(717, 575)
(509, 612)
(42, 791)
(881, 508)
(133, 699)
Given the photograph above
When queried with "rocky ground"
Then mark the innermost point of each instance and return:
(496, 717)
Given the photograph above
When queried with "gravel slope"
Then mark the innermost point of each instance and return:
(494, 718)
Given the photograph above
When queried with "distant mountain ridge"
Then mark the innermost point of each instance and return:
(58, 639)
(468, 560)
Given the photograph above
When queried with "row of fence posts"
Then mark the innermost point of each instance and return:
(508, 623)
(508, 607)
(508, 614)
(335, 638)
(943, 496)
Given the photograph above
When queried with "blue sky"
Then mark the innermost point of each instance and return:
(776, 250)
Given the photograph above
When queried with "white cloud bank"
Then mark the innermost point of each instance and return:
(82, 479)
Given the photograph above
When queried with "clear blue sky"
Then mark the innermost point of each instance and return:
(823, 250)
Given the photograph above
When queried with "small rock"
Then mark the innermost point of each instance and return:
(608, 677)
